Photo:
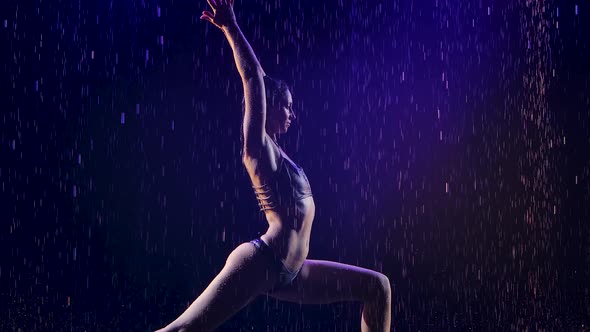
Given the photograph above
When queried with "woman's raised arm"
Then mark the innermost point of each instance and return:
(250, 71)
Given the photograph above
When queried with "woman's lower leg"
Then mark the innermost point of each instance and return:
(376, 315)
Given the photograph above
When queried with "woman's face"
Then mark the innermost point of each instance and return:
(283, 113)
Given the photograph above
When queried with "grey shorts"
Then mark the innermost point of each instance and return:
(286, 276)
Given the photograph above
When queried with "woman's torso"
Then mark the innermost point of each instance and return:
(291, 207)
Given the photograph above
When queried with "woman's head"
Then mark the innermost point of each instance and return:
(279, 106)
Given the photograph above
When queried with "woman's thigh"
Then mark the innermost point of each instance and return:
(321, 282)
(247, 273)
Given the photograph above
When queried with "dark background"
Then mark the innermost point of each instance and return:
(447, 145)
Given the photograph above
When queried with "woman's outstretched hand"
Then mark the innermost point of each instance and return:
(223, 13)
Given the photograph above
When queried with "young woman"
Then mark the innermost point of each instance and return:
(276, 264)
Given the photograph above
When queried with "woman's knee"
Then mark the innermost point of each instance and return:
(379, 287)
(385, 285)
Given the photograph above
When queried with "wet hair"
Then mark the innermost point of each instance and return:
(274, 90)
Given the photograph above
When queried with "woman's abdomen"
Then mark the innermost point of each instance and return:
(288, 236)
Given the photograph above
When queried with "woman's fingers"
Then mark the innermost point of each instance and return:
(222, 13)
(204, 17)
(212, 3)
(215, 4)
(208, 14)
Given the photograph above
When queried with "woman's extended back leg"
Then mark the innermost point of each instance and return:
(247, 273)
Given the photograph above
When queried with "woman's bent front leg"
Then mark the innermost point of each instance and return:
(322, 282)
(246, 274)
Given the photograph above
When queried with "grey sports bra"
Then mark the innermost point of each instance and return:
(288, 183)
